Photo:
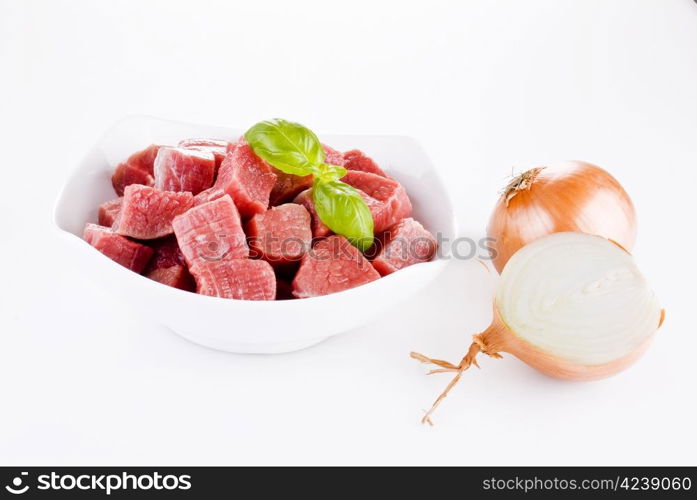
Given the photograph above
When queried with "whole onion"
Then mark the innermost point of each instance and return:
(565, 196)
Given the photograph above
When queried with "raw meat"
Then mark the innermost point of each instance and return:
(179, 169)
(209, 191)
(209, 194)
(244, 279)
(211, 232)
(357, 160)
(247, 179)
(319, 230)
(386, 198)
(218, 147)
(405, 244)
(137, 169)
(280, 235)
(109, 211)
(332, 156)
(287, 186)
(128, 253)
(126, 174)
(331, 266)
(390, 203)
(175, 276)
(147, 212)
(284, 289)
(167, 253)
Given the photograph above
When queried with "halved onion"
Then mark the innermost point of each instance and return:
(571, 305)
(564, 196)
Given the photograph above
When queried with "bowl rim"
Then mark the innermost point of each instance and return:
(436, 265)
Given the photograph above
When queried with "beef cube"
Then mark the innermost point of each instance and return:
(109, 211)
(137, 169)
(247, 179)
(388, 201)
(211, 232)
(243, 279)
(167, 253)
(319, 229)
(333, 157)
(176, 276)
(209, 194)
(403, 245)
(287, 187)
(126, 174)
(167, 264)
(147, 213)
(331, 266)
(179, 169)
(357, 160)
(280, 235)
(130, 254)
(218, 147)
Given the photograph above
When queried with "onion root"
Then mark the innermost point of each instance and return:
(485, 342)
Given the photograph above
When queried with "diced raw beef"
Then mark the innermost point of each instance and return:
(167, 253)
(179, 169)
(109, 211)
(126, 174)
(128, 253)
(331, 266)
(282, 234)
(247, 179)
(319, 230)
(405, 244)
(147, 212)
(287, 187)
(176, 276)
(284, 289)
(244, 279)
(211, 232)
(218, 147)
(137, 169)
(390, 203)
(207, 195)
(357, 160)
(333, 157)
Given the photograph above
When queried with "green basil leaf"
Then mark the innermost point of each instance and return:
(344, 211)
(328, 172)
(288, 146)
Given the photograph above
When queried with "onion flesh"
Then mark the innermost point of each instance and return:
(572, 305)
(564, 196)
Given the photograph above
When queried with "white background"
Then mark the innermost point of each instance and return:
(485, 86)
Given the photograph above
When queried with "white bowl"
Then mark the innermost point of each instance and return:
(239, 325)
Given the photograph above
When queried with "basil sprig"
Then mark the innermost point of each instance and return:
(344, 211)
(295, 149)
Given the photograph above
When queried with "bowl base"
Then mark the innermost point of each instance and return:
(247, 347)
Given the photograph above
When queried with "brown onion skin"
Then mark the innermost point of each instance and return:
(501, 339)
(498, 338)
(564, 196)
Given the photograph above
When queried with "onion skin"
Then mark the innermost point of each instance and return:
(498, 338)
(566, 196)
(502, 339)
